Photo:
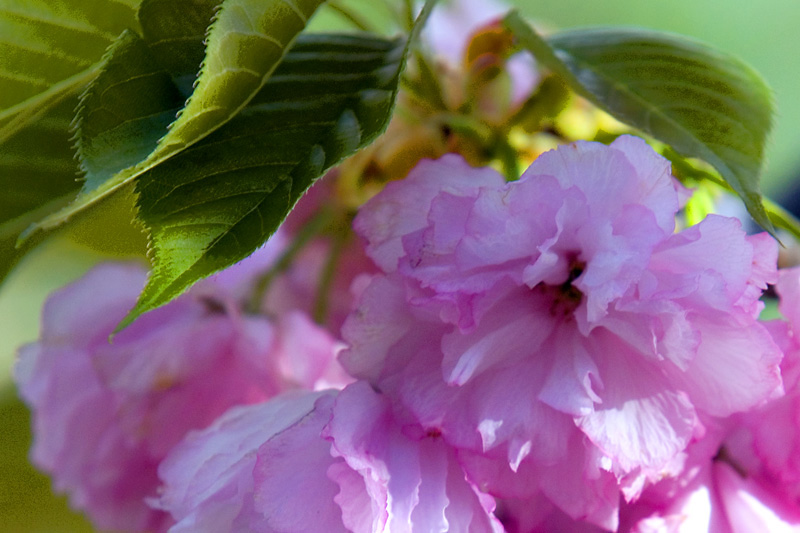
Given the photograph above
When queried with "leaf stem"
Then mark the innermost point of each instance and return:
(408, 14)
(429, 82)
(16, 225)
(508, 156)
(322, 300)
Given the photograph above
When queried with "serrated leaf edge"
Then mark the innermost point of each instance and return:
(141, 307)
(157, 157)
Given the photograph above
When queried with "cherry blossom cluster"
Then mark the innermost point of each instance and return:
(551, 354)
(545, 354)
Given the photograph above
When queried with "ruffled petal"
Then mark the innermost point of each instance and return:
(402, 207)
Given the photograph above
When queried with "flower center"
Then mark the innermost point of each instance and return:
(433, 433)
(564, 298)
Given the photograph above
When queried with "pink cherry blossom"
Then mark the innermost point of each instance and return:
(744, 474)
(722, 500)
(452, 24)
(539, 515)
(557, 328)
(759, 449)
(209, 480)
(320, 462)
(105, 415)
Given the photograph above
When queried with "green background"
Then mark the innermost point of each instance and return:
(762, 33)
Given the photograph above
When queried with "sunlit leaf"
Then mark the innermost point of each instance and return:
(245, 43)
(216, 202)
(700, 101)
(143, 84)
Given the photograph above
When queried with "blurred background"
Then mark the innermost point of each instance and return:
(761, 33)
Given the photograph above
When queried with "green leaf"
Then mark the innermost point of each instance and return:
(125, 111)
(48, 51)
(129, 106)
(216, 202)
(37, 164)
(245, 43)
(702, 102)
(175, 31)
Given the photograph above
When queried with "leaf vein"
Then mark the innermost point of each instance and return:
(258, 133)
(126, 81)
(216, 174)
(188, 207)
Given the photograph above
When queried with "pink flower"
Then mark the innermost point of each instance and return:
(453, 23)
(539, 515)
(744, 475)
(209, 480)
(722, 500)
(320, 462)
(763, 445)
(105, 414)
(556, 329)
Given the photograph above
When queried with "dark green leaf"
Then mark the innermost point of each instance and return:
(49, 50)
(175, 31)
(224, 192)
(245, 43)
(219, 200)
(700, 101)
(125, 111)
